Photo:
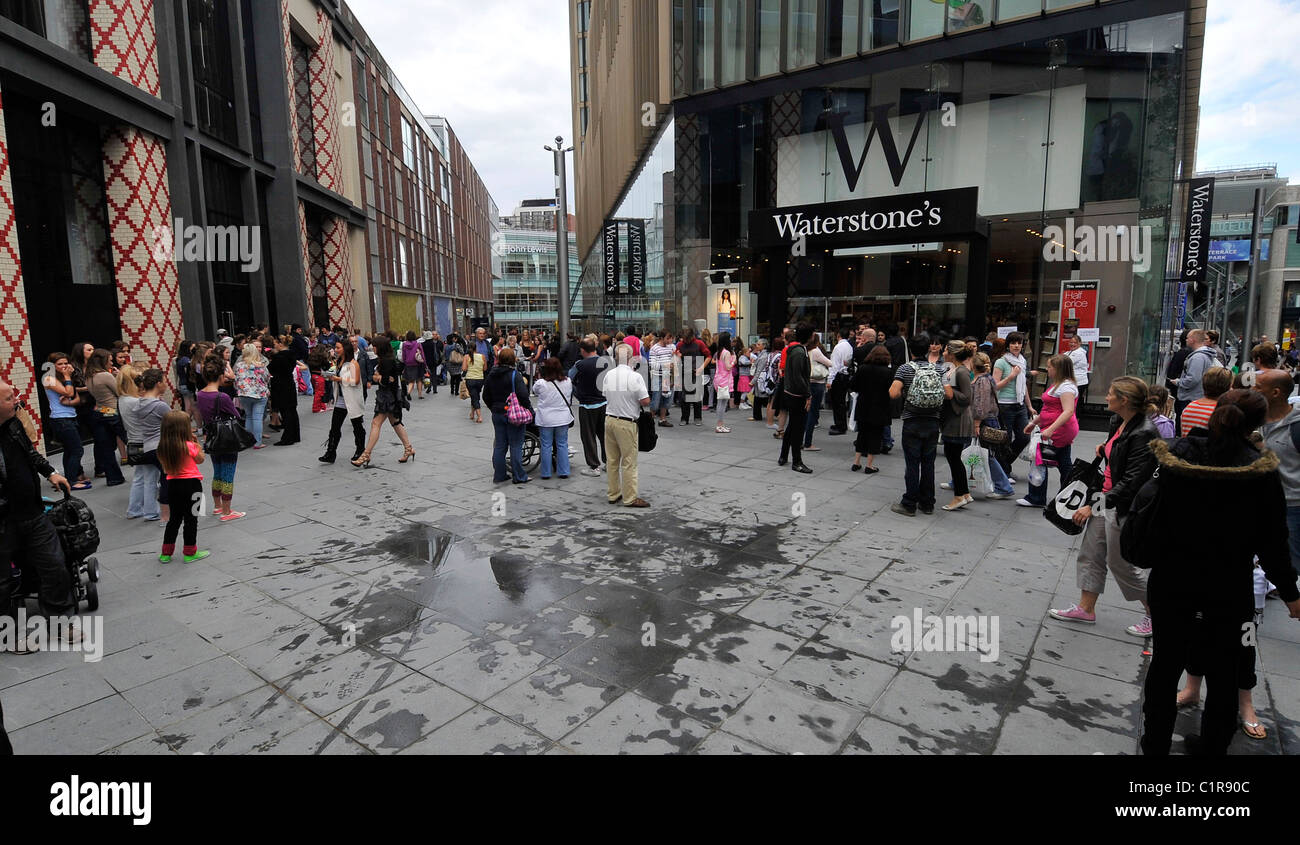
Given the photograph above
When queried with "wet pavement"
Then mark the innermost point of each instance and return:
(421, 609)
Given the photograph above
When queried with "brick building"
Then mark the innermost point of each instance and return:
(131, 130)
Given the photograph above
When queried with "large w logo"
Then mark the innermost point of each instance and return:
(879, 123)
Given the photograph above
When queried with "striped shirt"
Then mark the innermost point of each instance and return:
(661, 367)
(1197, 415)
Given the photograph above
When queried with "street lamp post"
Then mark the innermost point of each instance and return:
(561, 234)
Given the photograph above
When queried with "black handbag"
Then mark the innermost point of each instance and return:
(1082, 488)
(994, 438)
(226, 436)
(135, 454)
(646, 436)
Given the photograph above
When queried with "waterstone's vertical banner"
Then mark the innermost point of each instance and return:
(1196, 229)
(611, 257)
(636, 256)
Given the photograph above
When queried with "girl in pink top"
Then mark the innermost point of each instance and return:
(724, 376)
(1058, 423)
(180, 455)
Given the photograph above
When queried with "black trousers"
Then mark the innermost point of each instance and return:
(33, 546)
(455, 384)
(591, 424)
(760, 405)
(952, 449)
(286, 403)
(1177, 627)
(183, 495)
(839, 393)
(336, 430)
(6, 750)
(795, 406)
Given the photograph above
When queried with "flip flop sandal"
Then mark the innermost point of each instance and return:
(1248, 729)
(82, 485)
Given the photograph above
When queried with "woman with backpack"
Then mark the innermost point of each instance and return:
(759, 357)
(554, 409)
(871, 381)
(389, 404)
(1202, 584)
(503, 382)
(412, 365)
(957, 428)
(1129, 465)
(1058, 425)
(214, 405)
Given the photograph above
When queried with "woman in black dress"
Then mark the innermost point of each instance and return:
(872, 381)
(389, 404)
(284, 391)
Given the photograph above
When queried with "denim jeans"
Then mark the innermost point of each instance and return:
(920, 444)
(818, 399)
(887, 437)
(105, 431)
(555, 449)
(144, 491)
(65, 429)
(1038, 494)
(512, 437)
(33, 546)
(254, 411)
(1013, 419)
(1001, 485)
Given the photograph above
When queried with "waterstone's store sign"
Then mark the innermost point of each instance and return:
(928, 216)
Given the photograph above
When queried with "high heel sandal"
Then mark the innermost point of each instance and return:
(408, 455)
(363, 461)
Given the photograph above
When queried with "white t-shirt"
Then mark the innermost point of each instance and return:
(1065, 387)
(624, 388)
(1079, 357)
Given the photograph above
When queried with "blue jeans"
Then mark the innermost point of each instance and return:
(1038, 494)
(105, 430)
(660, 400)
(818, 399)
(887, 437)
(1014, 418)
(555, 438)
(1001, 485)
(254, 411)
(511, 436)
(65, 429)
(144, 491)
(920, 444)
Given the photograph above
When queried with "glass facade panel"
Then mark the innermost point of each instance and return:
(214, 91)
(843, 27)
(767, 41)
(925, 19)
(735, 34)
(1008, 9)
(703, 45)
(969, 14)
(801, 34)
(883, 23)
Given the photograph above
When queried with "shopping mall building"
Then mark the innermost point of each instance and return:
(957, 167)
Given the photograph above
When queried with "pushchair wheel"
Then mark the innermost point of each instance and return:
(92, 568)
(92, 597)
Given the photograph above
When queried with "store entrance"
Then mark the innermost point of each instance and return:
(933, 313)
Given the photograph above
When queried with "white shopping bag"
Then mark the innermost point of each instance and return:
(975, 458)
(853, 412)
(1031, 451)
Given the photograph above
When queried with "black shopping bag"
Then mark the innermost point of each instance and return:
(1082, 488)
(647, 437)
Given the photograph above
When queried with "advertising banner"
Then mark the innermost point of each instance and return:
(1196, 229)
(611, 263)
(636, 256)
(1078, 311)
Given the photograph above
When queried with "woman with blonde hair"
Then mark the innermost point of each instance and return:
(1129, 464)
(253, 388)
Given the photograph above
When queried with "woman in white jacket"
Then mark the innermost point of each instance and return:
(552, 405)
(349, 401)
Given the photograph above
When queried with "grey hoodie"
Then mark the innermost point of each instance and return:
(1190, 386)
(1277, 437)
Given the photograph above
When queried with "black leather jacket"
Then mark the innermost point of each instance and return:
(14, 432)
(1131, 461)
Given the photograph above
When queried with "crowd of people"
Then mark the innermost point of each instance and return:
(1211, 433)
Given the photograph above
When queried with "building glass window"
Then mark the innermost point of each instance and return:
(1008, 9)
(703, 44)
(302, 107)
(767, 42)
(882, 23)
(408, 144)
(214, 90)
(735, 34)
(925, 19)
(970, 14)
(224, 207)
(65, 23)
(801, 34)
(584, 16)
(1283, 215)
(582, 112)
(842, 28)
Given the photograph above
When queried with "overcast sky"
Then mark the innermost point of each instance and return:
(499, 71)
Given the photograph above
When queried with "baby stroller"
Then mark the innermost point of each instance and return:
(78, 535)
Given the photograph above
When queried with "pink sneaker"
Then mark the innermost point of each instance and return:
(1141, 629)
(1074, 614)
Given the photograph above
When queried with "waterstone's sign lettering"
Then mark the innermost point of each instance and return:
(611, 256)
(1196, 230)
(927, 216)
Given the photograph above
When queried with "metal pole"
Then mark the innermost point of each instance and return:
(562, 236)
(1247, 337)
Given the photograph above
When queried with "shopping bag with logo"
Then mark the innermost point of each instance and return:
(853, 412)
(1082, 488)
(1031, 454)
(975, 459)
